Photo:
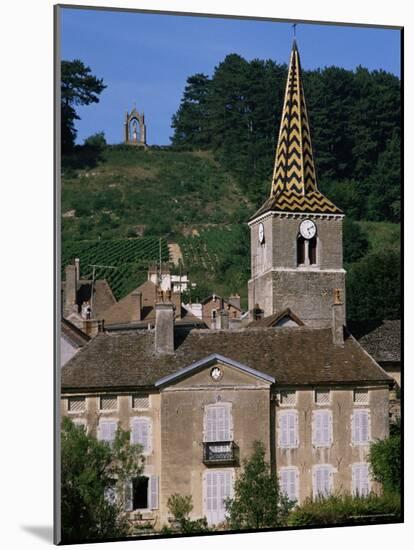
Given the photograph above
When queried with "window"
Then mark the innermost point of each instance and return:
(322, 480)
(107, 430)
(306, 251)
(218, 485)
(108, 403)
(360, 427)
(322, 428)
(110, 494)
(141, 493)
(218, 426)
(289, 482)
(288, 429)
(141, 432)
(322, 397)
(288, 397)
(218, 423)
(361, 397)
(312, 251)
(301, 244)
(76, 404)
(140, 401)
(360, 479)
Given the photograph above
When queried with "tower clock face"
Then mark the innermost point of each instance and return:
(307, 229)
(261, 233)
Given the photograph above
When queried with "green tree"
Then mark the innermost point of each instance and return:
(96, 141)
(190, 122)
(258, 501)
(374, 288)
(356, 242)
(385, 459)
(180, 507)
(78, 87)
(89, 470)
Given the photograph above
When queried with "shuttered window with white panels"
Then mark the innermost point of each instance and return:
(141, 432)
(76, 404)
(107, 430)
(322, 428)
(108, 403)
(289, 482)
(360, 479)
(218, 426)
(360, 427)
(322, 480)
(218, 485)
(288, 429)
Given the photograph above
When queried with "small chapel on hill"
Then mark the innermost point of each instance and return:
(197, 399)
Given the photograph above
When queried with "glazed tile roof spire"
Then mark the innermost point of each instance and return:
(294, 165)
(294, 187)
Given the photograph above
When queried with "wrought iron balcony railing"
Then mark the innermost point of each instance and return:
(216, 453)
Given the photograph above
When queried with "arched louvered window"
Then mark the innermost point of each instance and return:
(301, 248)
(312, 251)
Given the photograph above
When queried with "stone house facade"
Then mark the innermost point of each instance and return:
(198, 413)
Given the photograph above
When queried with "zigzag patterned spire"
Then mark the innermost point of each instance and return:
(294, 187)
(294, 166)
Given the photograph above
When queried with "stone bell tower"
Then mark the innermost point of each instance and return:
(296, 236)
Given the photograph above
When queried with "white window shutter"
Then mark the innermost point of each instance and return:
(128, 504)
(107, 430)
(318, 428)
(364, 427)
(218, 424)
(292, 429)
(142, 433)
(153, 490)
(284, 430)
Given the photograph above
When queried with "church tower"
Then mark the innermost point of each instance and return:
(296, 236)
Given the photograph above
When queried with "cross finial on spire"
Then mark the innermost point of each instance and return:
(294, 30)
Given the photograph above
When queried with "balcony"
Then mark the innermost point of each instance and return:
(220, 453)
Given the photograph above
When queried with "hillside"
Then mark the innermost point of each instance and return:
(117, 204)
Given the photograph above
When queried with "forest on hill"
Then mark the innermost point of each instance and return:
(355, 130)
(201, 191)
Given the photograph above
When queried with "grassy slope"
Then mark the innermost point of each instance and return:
(186, 198)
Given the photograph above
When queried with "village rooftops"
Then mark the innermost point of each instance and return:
(292, 356)
(384, 342)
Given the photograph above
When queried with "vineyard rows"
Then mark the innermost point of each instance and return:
(129, 257)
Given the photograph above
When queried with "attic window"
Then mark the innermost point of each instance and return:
(288, 397)
(109, 403)
(76, 404)
(322, 397)
(361, 397)
(140, 402)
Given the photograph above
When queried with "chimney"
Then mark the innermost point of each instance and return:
(77, 266)
(338, 319)
(70, 288)
(235, 300)
(164, 326)
(223, 320)
(176, 300)
(136, 298)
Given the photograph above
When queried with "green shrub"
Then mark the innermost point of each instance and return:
(337, 509)
(385, 459)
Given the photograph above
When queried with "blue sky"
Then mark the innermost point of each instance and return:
(146, 58)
